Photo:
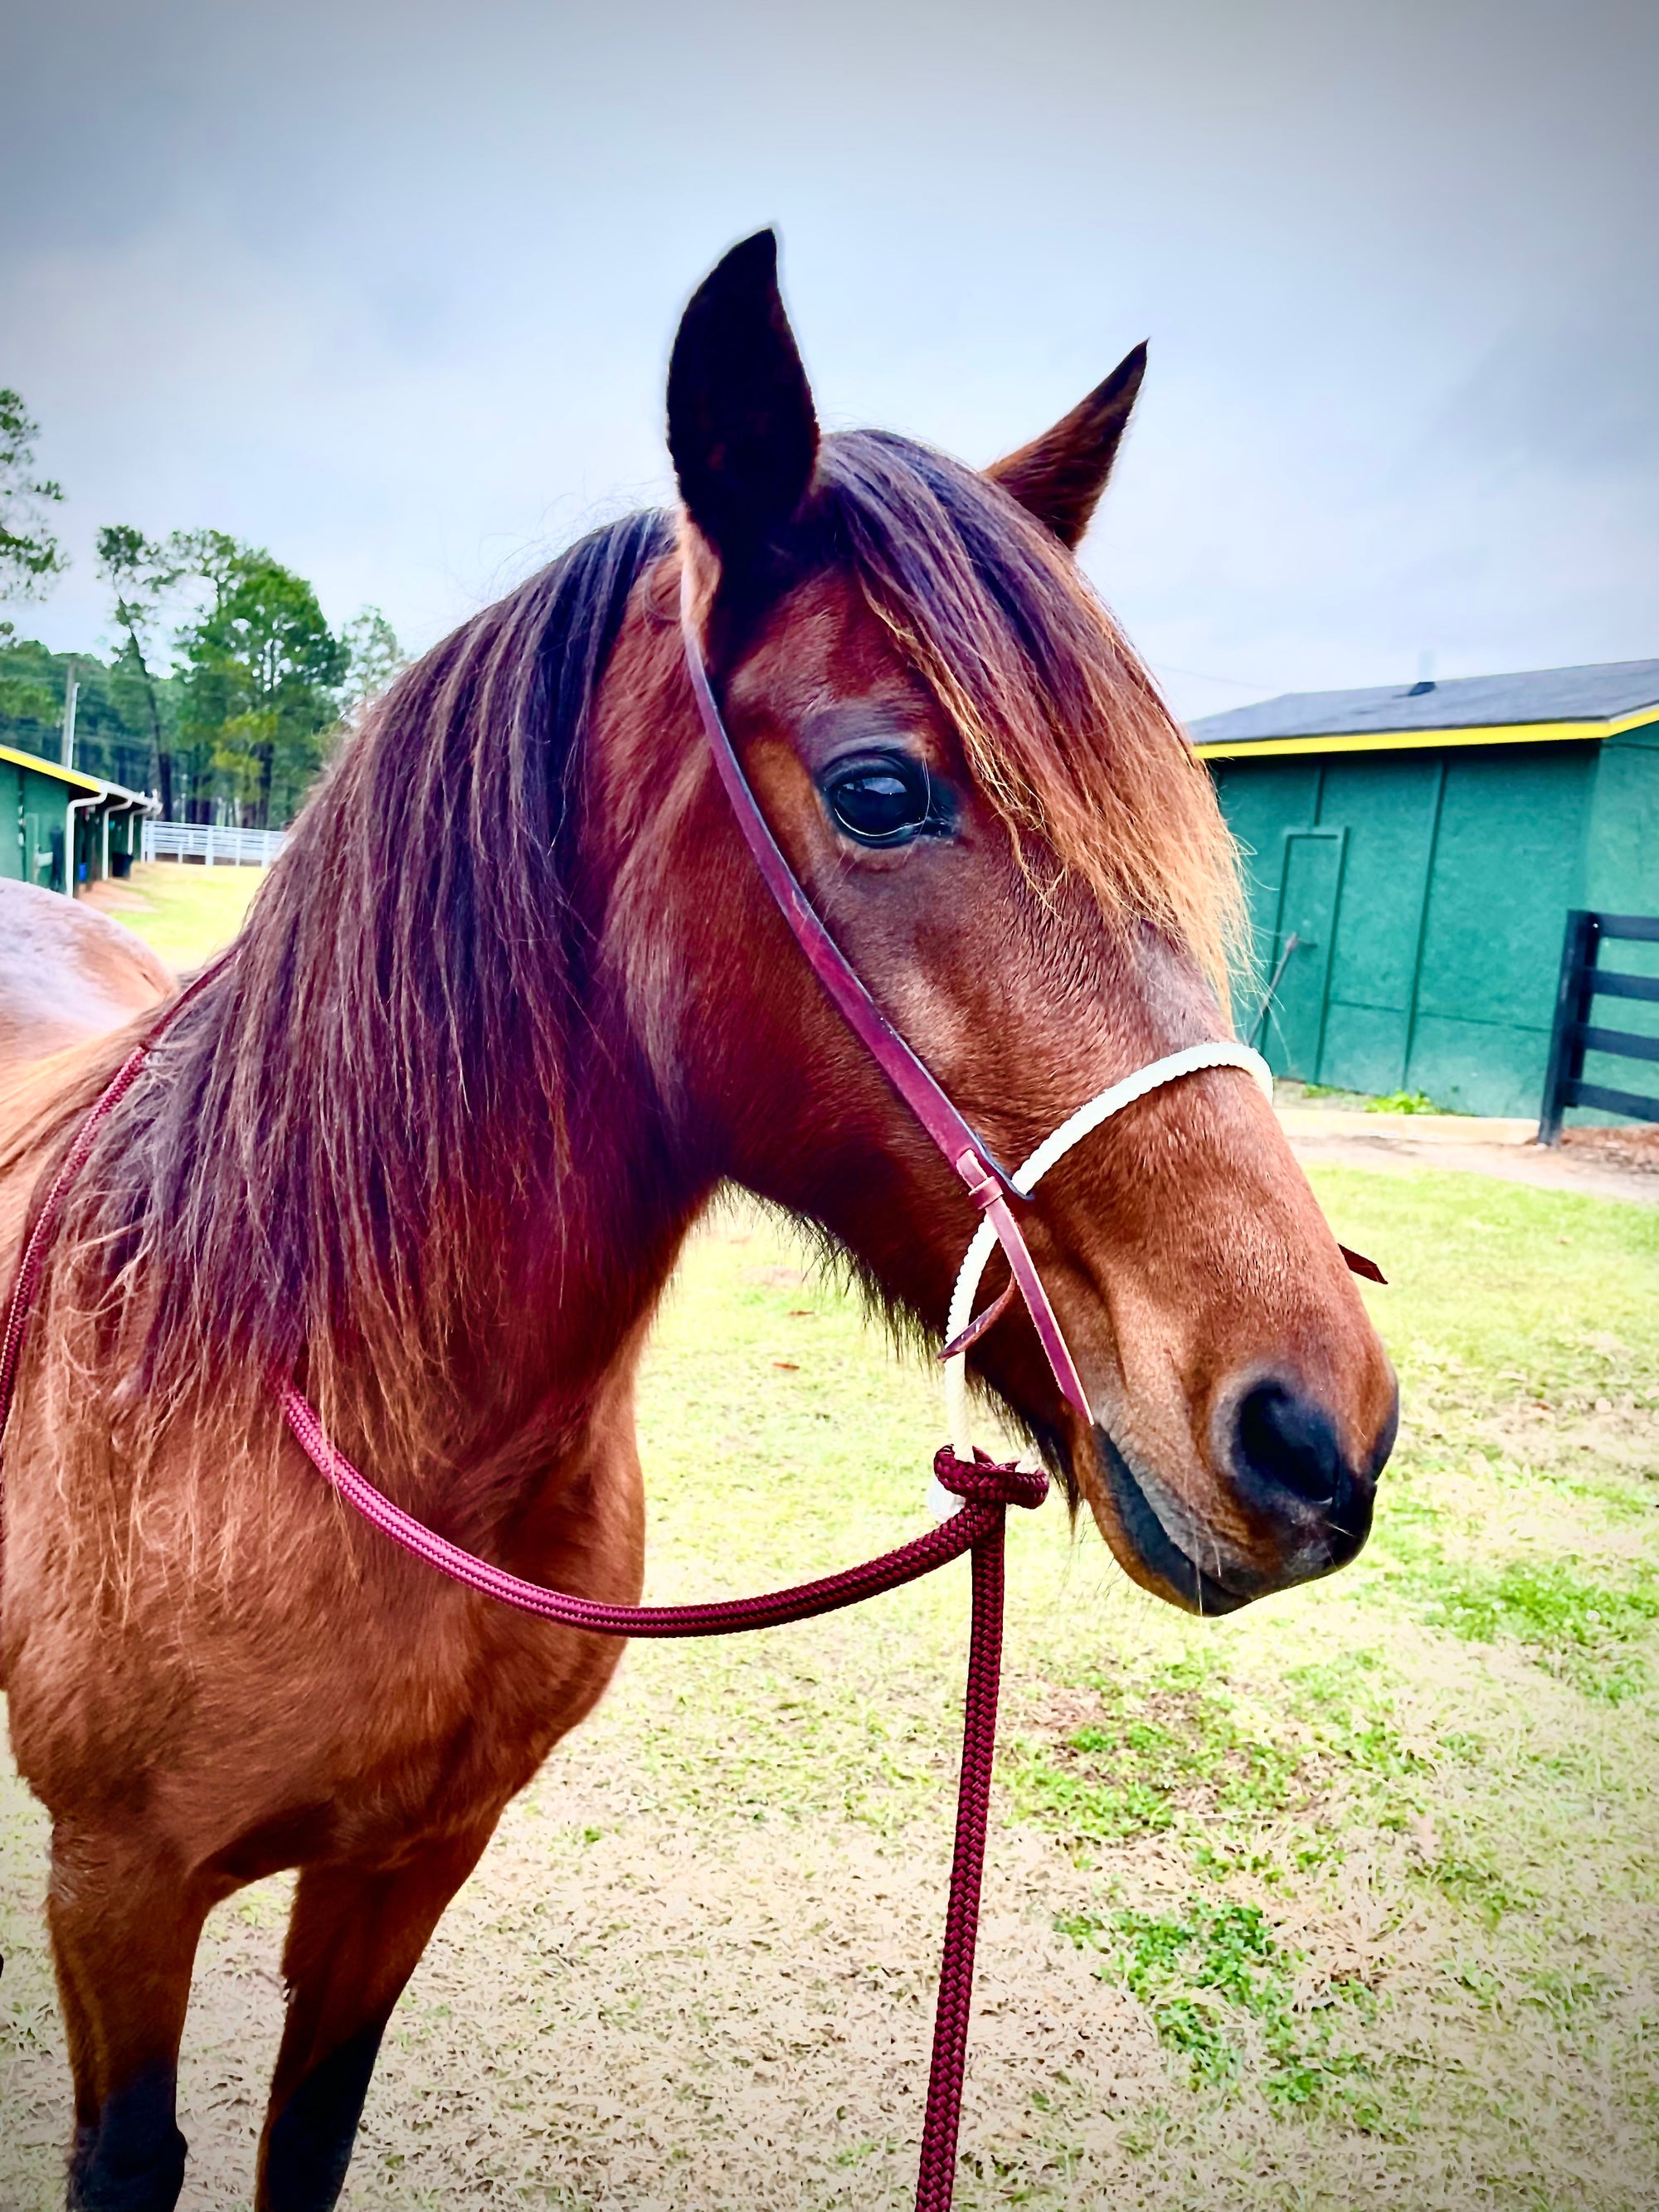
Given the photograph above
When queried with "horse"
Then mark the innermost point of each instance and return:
(68, 974)
(512, 1006)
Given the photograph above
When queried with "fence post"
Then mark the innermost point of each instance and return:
(1573, 995)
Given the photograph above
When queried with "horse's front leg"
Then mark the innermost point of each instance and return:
(354, 1938)
(125, 1922)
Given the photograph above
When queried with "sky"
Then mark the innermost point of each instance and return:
(389, 289)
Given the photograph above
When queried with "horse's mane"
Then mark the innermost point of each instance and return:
(374, 1083)
(374, 1087)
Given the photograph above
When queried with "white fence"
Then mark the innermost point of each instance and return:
(212, 844)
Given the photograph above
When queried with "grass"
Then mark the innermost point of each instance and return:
(1406, 1102)
(184, 913)
(1345, 1902)
(1218, 1984)
(1288, 1092)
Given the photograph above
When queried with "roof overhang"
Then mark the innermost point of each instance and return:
(50, 768)
(92, 784)
(1395, 741)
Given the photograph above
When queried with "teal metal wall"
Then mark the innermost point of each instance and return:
(40, 841)
(1428, 892)
(34, 823)
(12, 855)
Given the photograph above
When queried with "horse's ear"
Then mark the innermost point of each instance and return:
(1059, 477)
(741, 427)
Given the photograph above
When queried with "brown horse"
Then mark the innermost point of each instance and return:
(511, 1006)
(66, 974)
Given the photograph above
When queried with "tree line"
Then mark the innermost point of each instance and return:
(226, 688)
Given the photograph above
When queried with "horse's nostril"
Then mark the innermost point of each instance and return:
(1289, 1442)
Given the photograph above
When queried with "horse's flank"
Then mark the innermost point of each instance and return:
(69, 974)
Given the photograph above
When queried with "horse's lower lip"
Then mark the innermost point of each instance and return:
(1181, 1578)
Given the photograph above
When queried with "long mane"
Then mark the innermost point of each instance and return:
(376, 1084)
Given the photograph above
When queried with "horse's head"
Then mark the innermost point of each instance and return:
(983, 796)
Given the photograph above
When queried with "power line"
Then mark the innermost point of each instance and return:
(1239, 683)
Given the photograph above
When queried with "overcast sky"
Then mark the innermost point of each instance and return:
(389, 288)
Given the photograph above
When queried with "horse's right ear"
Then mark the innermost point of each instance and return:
(1059, 477)
(741, 427)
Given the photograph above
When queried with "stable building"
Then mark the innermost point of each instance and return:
(60, 830)
(1412, 855)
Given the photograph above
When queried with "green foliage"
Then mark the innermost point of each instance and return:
(261, 678)
(142, 575)
(1405, 1101)
(111, 737)
(1199, 1973)
(30, 555)
(374, 655)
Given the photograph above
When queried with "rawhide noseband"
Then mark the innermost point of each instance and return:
(970, 1493)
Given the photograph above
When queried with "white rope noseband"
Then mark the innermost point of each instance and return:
(1222, 1052)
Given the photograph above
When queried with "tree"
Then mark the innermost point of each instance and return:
(30, 555)
(374, 656)
(111, 728)
(261, 681)
(261, 675)
(143, 575)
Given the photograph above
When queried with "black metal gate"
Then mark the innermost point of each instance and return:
(1583, 981)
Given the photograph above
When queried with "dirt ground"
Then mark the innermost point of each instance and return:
(1598, 1163)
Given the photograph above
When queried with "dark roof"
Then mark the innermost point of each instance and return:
(1466, 703)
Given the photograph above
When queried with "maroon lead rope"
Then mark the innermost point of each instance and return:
(986, 1488)
(989, 1490)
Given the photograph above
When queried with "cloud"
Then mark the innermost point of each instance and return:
(390, 289)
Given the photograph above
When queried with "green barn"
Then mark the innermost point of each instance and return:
(1413, 855)
(61, 829)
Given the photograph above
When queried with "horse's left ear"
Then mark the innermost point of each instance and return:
(1059, 477)
(741, 426)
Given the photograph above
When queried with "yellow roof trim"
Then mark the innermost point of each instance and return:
(50, 768)
(1392, 741)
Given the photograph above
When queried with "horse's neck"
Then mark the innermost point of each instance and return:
(598, 1248)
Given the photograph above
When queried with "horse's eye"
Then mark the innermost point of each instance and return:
(880, 799)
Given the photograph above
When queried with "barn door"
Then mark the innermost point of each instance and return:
(1309, 884)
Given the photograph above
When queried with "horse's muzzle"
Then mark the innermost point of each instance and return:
(1303, 1506)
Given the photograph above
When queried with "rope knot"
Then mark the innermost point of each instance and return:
(987, 1481)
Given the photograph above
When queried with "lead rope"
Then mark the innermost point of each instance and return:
(984, 1489)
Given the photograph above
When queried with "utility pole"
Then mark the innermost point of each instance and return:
(71, 693)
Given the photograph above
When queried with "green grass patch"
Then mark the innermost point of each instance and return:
(1583, 1629)
(1158, 1750)
(1206, 1973)
(184, 913)
(1406, 1102)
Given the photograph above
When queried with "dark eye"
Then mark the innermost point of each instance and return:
(880, 799)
